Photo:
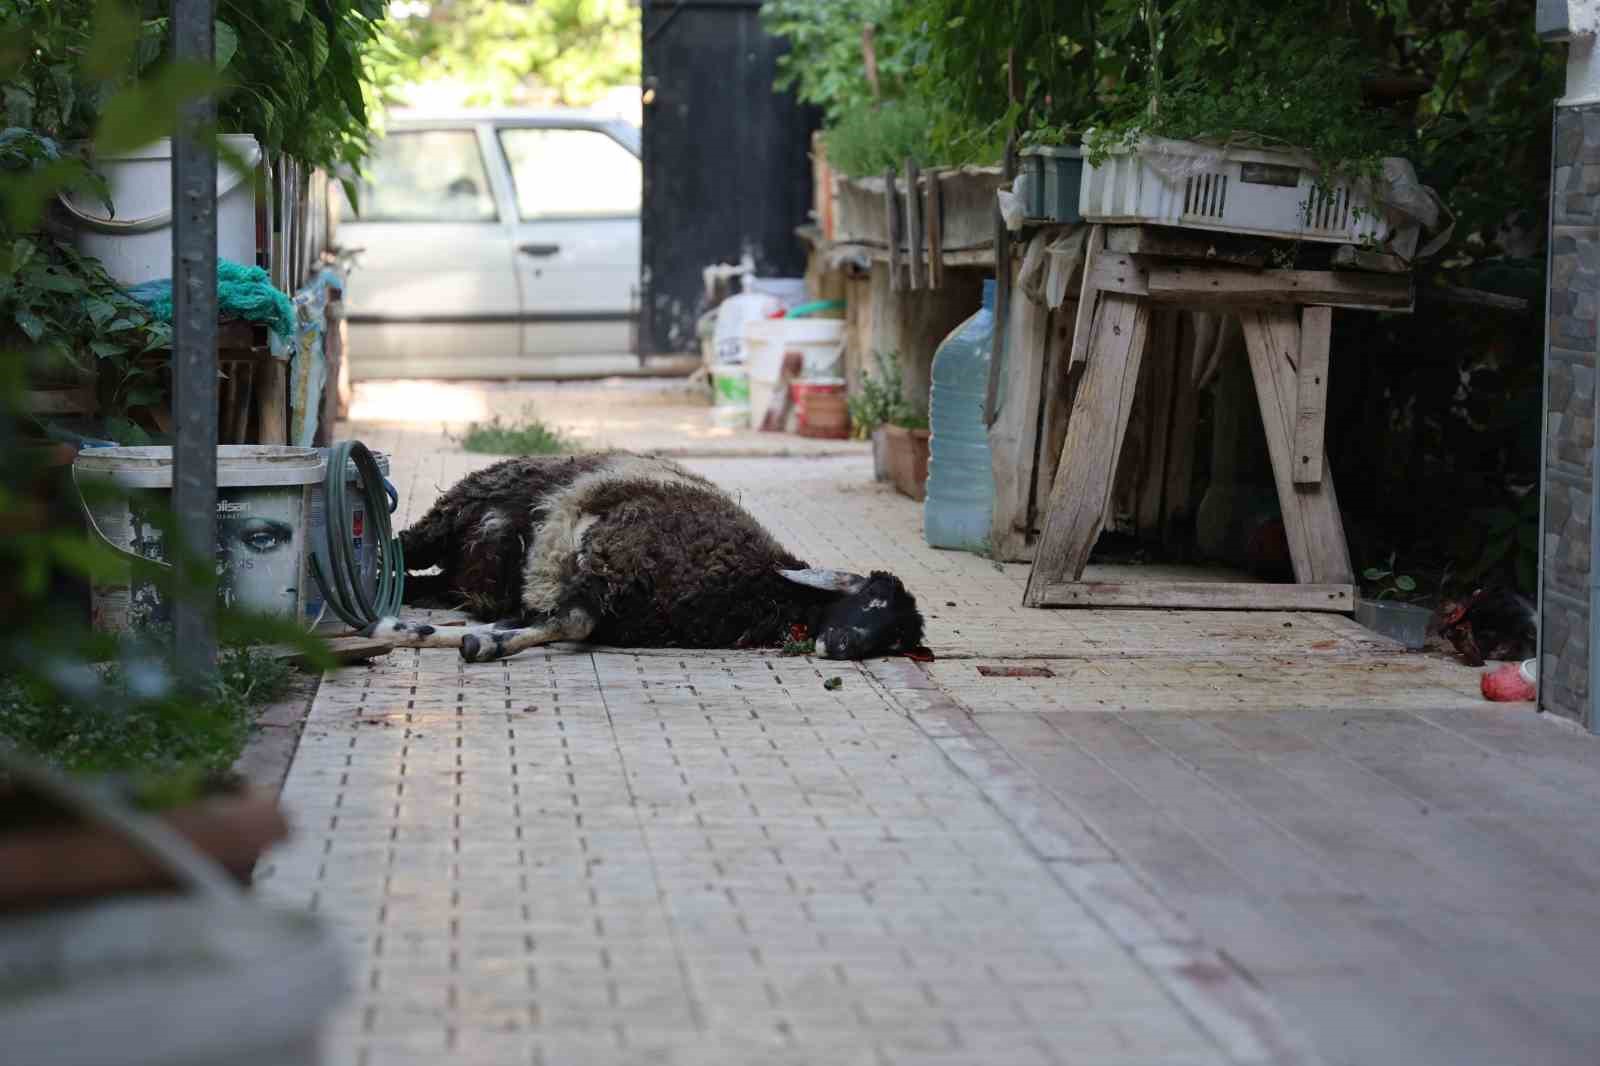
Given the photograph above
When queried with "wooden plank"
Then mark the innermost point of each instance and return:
(272, 403)
(933, 215)
(1087, 298)
(1183, 438)
(1349, 257)
(1222, 286)
(1310, 424)
(914, 222)
(1200, 595)
(896, 229)
(343, 649)
(1311, 517)
(1095, 431)
(1120, 272)
(1014, 437)
(1161, 361)
(1174, 243)
(1058, 395)
(1456, 294)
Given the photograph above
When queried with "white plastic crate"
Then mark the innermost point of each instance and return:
(1234, 190)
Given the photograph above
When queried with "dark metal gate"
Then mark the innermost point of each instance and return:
(726, 160)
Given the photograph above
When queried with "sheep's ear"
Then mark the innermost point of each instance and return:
(839, 581)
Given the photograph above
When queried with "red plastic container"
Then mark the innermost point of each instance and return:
(820, 409)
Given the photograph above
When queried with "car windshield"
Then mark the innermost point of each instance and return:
(571, 173)
(426, 176)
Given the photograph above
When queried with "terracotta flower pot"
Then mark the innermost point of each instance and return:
(908, 460)
(46, 858)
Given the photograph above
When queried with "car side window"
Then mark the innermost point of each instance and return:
(571, 173)
(425, 176)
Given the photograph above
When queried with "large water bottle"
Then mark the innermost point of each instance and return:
(956, 513)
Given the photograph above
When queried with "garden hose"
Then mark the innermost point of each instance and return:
(339, 574)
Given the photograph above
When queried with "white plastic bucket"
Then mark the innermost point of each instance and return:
(820, 342)
(763, 346)
(365, 544)
(731, 385)
(733, 314)
(135, 244)
(263, 501)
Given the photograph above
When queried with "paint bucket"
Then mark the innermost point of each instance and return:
(763, 346)
(820, 408)
(263, 502)
(366, 546)
(730, 385)
(135, 244)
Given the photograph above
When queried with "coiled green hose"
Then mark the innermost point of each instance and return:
(340, 574)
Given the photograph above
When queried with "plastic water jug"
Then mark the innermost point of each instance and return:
(956, 513)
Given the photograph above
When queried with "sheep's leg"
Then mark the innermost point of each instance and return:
(574, 623)
(404, 634)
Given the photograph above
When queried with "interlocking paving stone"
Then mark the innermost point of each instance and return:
(608, 857)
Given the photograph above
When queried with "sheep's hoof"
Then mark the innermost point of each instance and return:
(471, 646)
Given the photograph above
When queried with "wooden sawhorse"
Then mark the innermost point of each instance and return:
(1287, 319)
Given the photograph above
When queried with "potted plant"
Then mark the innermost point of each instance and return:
(49, 857)
(1391, 609)
(907, 439)
(872, 407)
(1051, 173)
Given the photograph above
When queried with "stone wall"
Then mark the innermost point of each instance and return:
(1570, 412)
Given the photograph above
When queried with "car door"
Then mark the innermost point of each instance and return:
(434, 293)
(577, 191)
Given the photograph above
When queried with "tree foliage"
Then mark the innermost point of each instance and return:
(503, 51)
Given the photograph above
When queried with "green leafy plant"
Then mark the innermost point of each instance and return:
(132, 730)
(58, 697)
(499, 52)
(527, 436)
(879, 399)
(1389, 583)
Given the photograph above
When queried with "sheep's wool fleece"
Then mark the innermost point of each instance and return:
(642, 519)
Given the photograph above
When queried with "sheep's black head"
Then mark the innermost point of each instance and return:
(867, 616)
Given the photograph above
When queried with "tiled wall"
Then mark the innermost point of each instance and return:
(1570, 406)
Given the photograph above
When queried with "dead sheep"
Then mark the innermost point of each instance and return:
(632, 552)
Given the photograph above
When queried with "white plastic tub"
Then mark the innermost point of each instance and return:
(135, 244)
(1232, 190)
(263, 503)
(731, 391)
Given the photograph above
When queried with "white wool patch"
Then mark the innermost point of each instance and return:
(491, 523)
(555, 554)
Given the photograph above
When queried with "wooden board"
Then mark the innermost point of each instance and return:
(896, 230)
(1161, 364)
(1205, 595)
(1095, 433)
(1311, 517)
(933, 212)
(1199, 286)
(1176, 243)
(1088, 298)
(1120, 272)
(1060, 389)
(914, 222)
(1013, 439)
(1316, 333)
(343, 649)
(1177, 502)
(1349, 257)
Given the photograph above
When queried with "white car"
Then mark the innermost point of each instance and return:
(495, 245)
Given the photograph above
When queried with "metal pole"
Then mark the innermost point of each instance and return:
(194, 342)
